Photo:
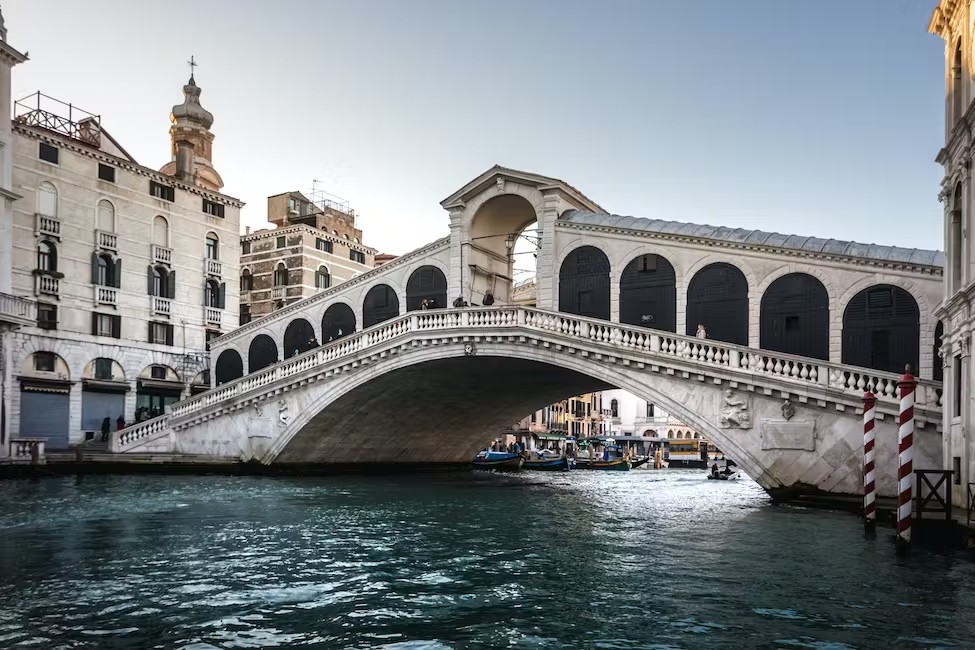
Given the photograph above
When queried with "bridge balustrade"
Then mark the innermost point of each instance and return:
(658, 346)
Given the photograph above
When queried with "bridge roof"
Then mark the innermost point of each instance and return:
(747, 237)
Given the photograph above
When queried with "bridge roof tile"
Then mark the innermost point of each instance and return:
(760, 238)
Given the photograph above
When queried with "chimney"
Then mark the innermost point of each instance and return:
(184, 161)
(247, 230)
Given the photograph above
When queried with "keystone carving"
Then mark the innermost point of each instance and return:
(788, 410)
(283, 417)
(500, 184)
(734, 413)
(470, 349)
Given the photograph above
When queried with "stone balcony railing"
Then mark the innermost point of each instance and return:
(47, 285)
(212, 316)
(212, 267)
(28, 450)
(106, 241)
(105, 295)
(161, 254)
(846, 384)
(161, 306)
(279, 293)
(14, 309)
(47, 226)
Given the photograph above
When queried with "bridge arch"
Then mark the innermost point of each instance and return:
(717, 297)
(881, 329)
(261, 353)
(428, 283)
(584, 279)
(381, 303)
(229, 367)
(299, 337)
(337, 321)
(648, 292)
(795, 316)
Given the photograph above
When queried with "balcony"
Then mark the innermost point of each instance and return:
(161, 306)
(212, 316)
(212, 267)
(106, 295)
(106, 241)
(279, 293)
(161, 254)
(14, 309)
(47, 226)
(46, 285)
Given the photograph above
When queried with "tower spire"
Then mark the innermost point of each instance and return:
(192, 63)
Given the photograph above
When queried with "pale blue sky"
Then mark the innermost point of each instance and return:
(817, 117)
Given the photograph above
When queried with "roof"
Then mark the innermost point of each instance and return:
(760, 238)
(485, 179)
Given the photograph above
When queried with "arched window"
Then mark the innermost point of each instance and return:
(105, 219)
(938, 373)
(160, 231)
(322, 279)
(281, 275)
(427, 283)
(211, 294)
(338, 321)
(648, 293)
(717, 298)
(263, 352)
(106, 271)
(795, 316)
(298, 337)
(881, 329)
(246, 280)
(47, 256)
(229, 367)
(670, 433)
(47, 200)
(162, 282)
(614, 408)
(379, 304)
(212, 246)
(584, 283)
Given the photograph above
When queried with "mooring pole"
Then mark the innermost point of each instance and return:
(905, 462)
(869, 473)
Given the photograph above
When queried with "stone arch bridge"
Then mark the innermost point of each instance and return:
(811, 322)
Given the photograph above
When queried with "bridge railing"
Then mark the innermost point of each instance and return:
(653, 344)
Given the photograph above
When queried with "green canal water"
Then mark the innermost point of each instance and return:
(474, 560)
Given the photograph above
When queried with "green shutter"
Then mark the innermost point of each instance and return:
(117, 275)
(171, 281)
(94, 268)
(150, 273)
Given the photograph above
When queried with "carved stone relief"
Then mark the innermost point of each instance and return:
(735, 412)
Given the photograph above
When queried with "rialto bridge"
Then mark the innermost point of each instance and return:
(798, 328)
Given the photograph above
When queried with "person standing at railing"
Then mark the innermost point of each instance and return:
(120, 422)
(701, 332)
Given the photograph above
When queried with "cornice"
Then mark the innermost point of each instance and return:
(52, 138)
(783, 252)
(277, 232)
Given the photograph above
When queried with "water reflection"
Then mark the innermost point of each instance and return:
(611, 560)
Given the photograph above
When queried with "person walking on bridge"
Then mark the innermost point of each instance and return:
(701, 332)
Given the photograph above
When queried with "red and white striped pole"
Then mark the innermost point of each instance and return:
(869, 468)
(905, 461)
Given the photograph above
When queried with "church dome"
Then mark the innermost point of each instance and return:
(190, 110)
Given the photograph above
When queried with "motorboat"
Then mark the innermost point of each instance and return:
(727, 474)
(500, 460)
(558, 463)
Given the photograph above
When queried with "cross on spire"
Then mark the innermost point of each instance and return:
(192, 63)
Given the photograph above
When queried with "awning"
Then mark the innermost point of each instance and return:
(161, 385)
(106, 386)
(41, 385)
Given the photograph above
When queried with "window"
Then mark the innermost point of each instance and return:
(245, 314)
(103, 369)
(106, 325)
(47, 200)
(211, 247)
(44, 361)
(649, 410)
(160, 231)
(47, 316)
(280, 243)
(48, 153)
(160, 333)
(357, 256)
(157, 372)
(246, 281)
(106, 216)
(162, 282)
(213, 208)
(105, 271)
(292, 205)
(957, 379)
(213, 294)
(323, 245)
(614, 408)
(106, 173)
(47, 257)
(281, 276)
(245, 248)
(322, 279)
(956, 470)
(160, 191)
(210, 335)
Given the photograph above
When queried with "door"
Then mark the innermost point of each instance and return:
(45, 415)
(96, 406)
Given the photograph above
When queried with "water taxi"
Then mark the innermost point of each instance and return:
(500, 460)
(727, 474)
(686, 453)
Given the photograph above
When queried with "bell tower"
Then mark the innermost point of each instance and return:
(191, 141)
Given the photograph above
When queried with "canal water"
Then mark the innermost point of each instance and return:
(474, 560)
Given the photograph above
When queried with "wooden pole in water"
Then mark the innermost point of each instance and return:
(869, 469)
(905, 461)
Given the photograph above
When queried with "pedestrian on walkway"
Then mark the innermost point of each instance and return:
(120, 422)
(106, 427)
(701, 332)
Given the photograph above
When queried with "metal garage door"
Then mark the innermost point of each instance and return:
(96, 406)
(45, 415)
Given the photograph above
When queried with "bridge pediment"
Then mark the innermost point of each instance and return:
(499, 176)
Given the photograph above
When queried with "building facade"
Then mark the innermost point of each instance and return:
(954, 21)
(133, 270)
(579, 417)
(314, 245)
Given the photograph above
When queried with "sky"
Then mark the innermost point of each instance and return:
(812, 117)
